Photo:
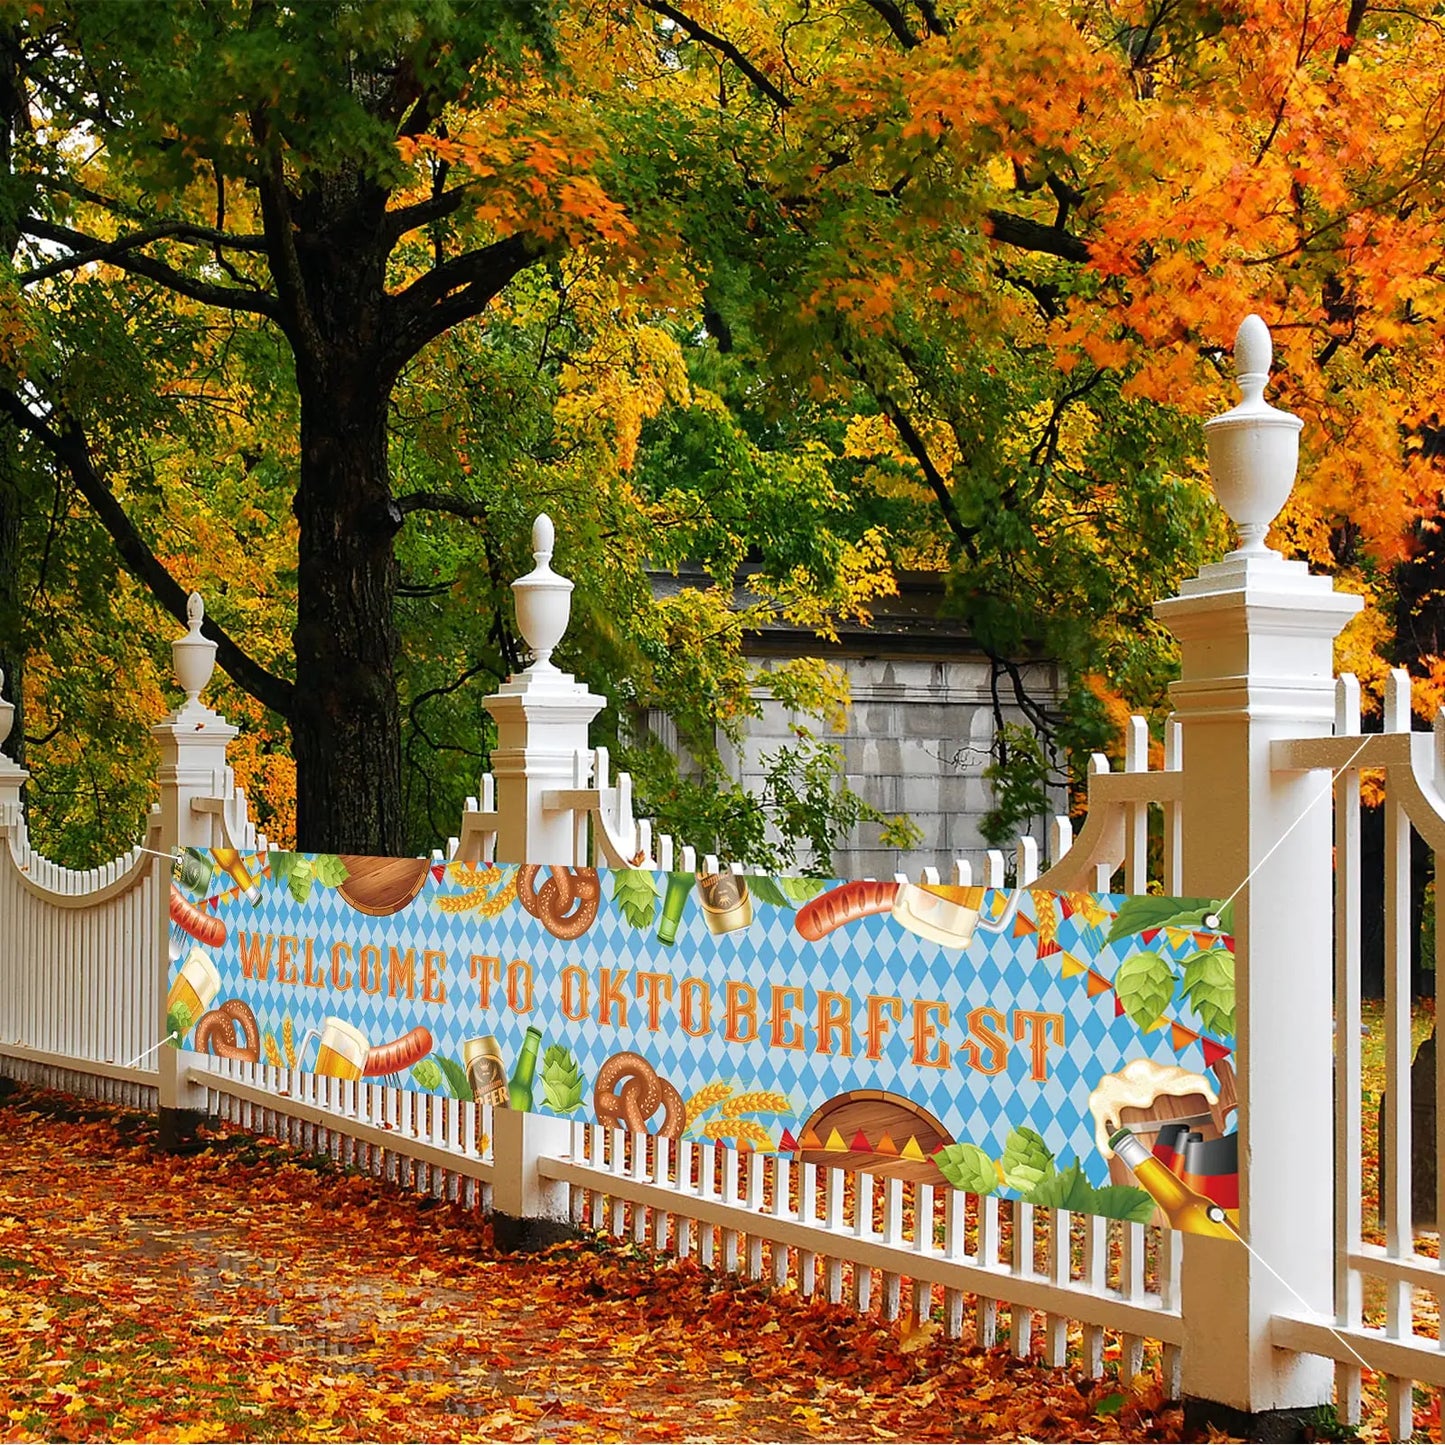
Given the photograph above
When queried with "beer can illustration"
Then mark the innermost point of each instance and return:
(486, 1071)
(726, 903)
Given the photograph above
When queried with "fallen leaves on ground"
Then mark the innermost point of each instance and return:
(251, 1293)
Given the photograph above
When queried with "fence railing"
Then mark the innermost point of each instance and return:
(1262, 733)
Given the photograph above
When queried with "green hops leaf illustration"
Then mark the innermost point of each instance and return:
(1124, 1201)
(1145, 985)
(1139, 915)
(766, 890)
(800, 890)
(178, 1022)
(635, 892)
(562, 1082)
(301, 878)
(1209, 988)
(1070, 1189)
(427, 1074)
(281, 865)
(1027, 1160)
(328, 870)
(967, 1167)
(458, 1085)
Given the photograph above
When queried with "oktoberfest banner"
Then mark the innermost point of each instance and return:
(1073, 1050)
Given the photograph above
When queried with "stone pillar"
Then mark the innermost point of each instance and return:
(1256, 634)
(542, 720)
(192, 742)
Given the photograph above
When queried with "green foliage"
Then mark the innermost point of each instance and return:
(1209, 989)
(636, 891)
(298, 872)
(1027, 1160)
(328, 870)
(766, 890)
(427, 1073)
(1142, 913)
(563, 1086)
(178, 1022)
(1145, 985)
(803, 807)
(1020, 773)
(967, 1167)
(1071, 1189)
(800, 890)
(455, 1078)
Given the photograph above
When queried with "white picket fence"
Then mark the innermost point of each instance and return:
(1264, 734)
(883, 1244)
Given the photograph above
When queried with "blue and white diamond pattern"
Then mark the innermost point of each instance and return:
(978, 1082)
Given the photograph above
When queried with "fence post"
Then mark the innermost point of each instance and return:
(542, 720)
(1256, 634)
(12, 775)
(192, 742)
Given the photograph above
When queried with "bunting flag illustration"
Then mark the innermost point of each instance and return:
(1181, 1037)
(1213, 1052)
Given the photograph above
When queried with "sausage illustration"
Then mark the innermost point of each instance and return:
(202, 926)
(842, 905)
(411, 1048)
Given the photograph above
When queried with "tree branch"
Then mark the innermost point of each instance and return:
(68, 445)
(931, 17)
(724, 47)
(1030, 235)
(123, 254)
(892, 17)
(451, 293)
(465, 507)
(409, 218)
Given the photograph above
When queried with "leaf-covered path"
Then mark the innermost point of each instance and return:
(246, 1293)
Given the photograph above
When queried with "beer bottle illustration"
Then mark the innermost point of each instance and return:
(1183, 1207)
(679, 885)
(193, 870)
(726, 903)
(486, 1071)
(519, 1091)
(230, 861)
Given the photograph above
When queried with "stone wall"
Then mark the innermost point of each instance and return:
(918, 738)
(919, 733)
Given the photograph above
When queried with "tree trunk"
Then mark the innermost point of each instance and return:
(345, 721)
(12, 645)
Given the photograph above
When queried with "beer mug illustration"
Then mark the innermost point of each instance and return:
(946, 914)
(195, 987)
(341, 1050)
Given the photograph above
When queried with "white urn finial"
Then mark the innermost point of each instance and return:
(1253, 448)
(194, 656)
(7, 712)
(544, 599)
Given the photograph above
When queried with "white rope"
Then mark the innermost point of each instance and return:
(1211, 920)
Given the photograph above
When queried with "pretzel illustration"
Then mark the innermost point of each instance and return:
(216, 1032)
(641, 1094)
(551, 901)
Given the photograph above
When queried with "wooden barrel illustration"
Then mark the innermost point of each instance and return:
(881, 1133)
(382, 886)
